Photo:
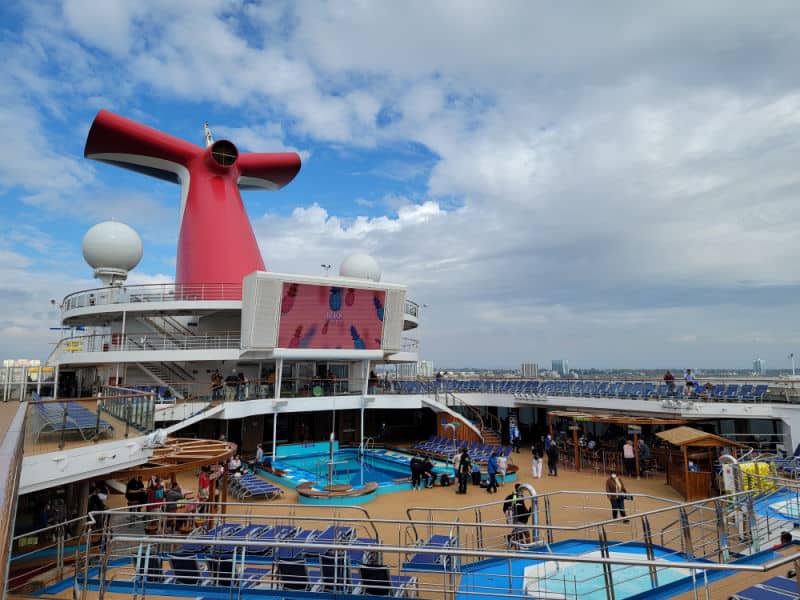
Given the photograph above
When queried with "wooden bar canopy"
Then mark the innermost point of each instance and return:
(614, 418)
(608, 418)
(692, 485)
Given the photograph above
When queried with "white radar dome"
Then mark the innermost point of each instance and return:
(112, 249)
(360, 266)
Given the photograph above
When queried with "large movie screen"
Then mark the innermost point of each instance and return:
(321, 316)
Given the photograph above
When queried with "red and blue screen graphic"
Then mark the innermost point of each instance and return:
(321, 316)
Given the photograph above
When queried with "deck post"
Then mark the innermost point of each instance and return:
(651, 555)
(607, 567)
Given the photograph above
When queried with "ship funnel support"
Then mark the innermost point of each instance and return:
(216, 243)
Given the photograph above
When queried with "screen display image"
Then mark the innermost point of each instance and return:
(321, 316)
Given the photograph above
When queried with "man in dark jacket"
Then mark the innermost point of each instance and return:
(464, 472)
(517, 514)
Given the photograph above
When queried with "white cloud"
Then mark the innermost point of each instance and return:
(627, 165)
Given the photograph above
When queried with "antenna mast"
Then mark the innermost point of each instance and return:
(207, 131)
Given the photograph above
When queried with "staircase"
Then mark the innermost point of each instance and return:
(169, 374)
(489, 426)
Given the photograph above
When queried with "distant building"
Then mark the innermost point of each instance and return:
(423, 368)
(561, 367)
(530, 369)
(760, 366)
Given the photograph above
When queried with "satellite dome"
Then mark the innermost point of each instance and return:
(360, 266)
(112, 249)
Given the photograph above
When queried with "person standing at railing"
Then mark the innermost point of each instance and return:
(372, 382)
(241, 388)
(216, 385)
(689, 383)
(669, 379)
(231, 386)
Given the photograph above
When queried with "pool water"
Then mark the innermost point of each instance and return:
(566, 580)
(787, 508)
(586, 580)
(381, 466)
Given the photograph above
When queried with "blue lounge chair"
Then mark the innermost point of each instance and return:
(198, 542)
(782, 584)
(377, 580)
(758, 592)
(294, 575)
(187, 570)
(334, 572)
(430, 561)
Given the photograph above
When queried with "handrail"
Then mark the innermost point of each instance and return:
(116, 342)
(11, 459)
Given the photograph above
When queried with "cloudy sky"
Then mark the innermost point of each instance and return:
(612, 183)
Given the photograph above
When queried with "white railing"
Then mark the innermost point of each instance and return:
(158, 292)
(116, 342)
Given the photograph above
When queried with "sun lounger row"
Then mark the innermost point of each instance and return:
(335, 574)
(198, 542)
(731, 392)
(49, 417)
(252, 486)
(477, 450)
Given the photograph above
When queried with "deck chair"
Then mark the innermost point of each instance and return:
(782, 584)
(294, 575)
(188, 570)
(378, 581)
(334, 572)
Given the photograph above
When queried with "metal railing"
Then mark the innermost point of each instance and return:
(156, 292)
(115, 342)
(65, 422)
(112, 549)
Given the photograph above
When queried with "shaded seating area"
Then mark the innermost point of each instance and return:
(67, 417)
(702, 449)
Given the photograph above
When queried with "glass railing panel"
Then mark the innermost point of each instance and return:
(54, 425)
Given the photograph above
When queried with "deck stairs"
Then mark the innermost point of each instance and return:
(486, 423)
(168, 374)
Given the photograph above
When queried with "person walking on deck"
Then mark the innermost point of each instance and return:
(536, 463)
(464, 472)
(491, 468)
(616, 494)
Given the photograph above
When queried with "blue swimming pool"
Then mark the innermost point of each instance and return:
(571, 580)
(389, 468)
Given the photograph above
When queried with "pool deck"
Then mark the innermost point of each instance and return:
(394, 506)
